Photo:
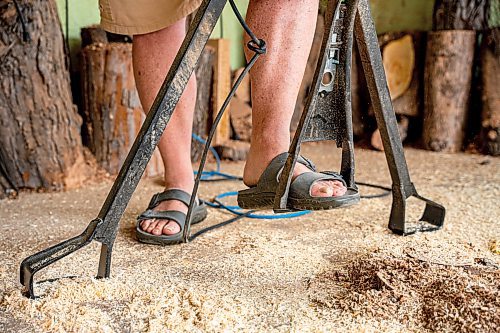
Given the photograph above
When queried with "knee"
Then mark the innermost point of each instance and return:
(171, 34)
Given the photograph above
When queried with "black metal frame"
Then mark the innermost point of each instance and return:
(334, 106)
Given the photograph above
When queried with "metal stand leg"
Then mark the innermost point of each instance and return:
(402, 186)
(330, 110)
(105, 227)
(327, 114)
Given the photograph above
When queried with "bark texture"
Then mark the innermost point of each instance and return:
(111, 105)
(448, 74)
(112, 109)
(490, 74)
(462, 14)
(204, 77)
(40, 142)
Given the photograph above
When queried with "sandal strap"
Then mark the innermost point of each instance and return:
(307, 162)
(173, 215)
(170, 194)
(301, 186)
(268, 181)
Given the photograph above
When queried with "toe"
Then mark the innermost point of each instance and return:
(328, 189)
(159, 227)
(338, 188)
(145, 224)
(171, 228)
(322, 190)
(151, 226)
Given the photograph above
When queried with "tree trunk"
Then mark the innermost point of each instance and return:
(39, 126)
(94, 34)
(111, 105)
(462, 14)
(204, 77)
(448, 73)
(112, 109)
(490, 74)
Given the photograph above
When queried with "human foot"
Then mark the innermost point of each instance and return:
(172, 199)
(307, 190)
(164, 227)
(257, 163)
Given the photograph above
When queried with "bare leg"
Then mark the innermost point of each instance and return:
(288, 29)
(153, 55)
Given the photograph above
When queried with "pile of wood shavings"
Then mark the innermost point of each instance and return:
(439, 297)
(89, 305)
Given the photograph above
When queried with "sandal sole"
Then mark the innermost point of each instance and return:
(263, 200)
(266, 201)
(315, 204)
(163, 240)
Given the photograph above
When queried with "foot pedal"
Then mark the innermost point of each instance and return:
(432, 218)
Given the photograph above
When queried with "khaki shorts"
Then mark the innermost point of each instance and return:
(134, 17)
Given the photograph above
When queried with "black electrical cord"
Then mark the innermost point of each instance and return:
(243, 23)
(218, 204)
(26, 35)
(258, 46)
(218, 176)
(66, 13)
(219, 225)
(387, 190)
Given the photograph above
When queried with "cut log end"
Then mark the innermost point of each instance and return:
(399, 63)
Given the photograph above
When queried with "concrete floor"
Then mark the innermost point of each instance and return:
(268, 275)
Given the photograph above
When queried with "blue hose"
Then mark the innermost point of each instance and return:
(237, 210)
(217, 175)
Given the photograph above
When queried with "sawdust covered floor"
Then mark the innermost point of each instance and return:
(328, 271)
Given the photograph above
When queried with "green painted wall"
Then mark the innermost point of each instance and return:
(398, 15)
(231, 29)
(390, 15)
(81, 13)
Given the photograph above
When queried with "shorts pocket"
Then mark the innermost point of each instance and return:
(105, 10)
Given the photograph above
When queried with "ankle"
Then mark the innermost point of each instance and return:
(182, 182)
(257, 161)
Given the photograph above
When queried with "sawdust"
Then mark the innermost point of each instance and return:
(495, 246)
(89, 305)
(438, 297)
(336, 271)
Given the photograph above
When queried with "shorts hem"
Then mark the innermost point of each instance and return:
(144, 29)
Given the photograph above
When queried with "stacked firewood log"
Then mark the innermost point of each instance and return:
(111, 107)
(449, 76)
(432, 81)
